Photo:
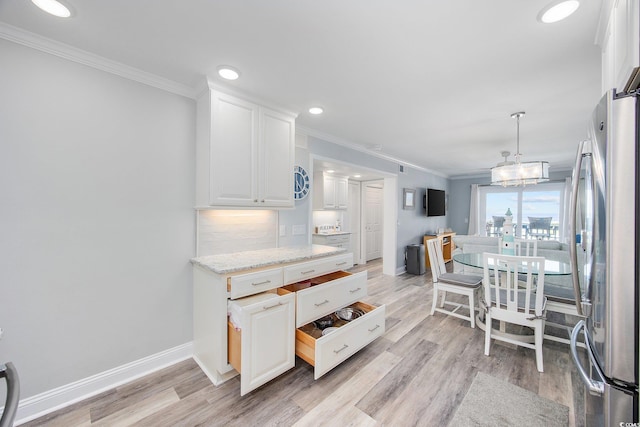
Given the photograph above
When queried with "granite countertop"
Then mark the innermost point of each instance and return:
(238, 261)
(332, 233)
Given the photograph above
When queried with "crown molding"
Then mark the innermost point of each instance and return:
(62, 50)
(357, 147)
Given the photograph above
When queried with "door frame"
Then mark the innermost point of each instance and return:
(390, 211)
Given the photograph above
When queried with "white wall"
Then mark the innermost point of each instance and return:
(96, 219)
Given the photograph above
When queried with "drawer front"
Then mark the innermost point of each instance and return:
(334, 348)
(252, 283)
(341, 238)
(310, 269)
(320, 300)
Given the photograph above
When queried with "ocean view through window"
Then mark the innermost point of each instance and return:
(537, 210)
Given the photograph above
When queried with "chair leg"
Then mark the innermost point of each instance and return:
(487, 333)
(539, 337)
(435, 298)
(442, 300)
(472, 308)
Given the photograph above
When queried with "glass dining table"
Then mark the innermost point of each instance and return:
(551, 267)
(560, 299)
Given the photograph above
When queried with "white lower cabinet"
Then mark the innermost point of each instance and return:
(269, 318)
(264, 347)
(335, 240)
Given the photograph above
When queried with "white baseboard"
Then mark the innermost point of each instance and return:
(401, 270)
(36, 406)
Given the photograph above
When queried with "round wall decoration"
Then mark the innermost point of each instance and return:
(301, 184)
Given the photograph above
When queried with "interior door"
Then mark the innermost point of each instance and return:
(373, 212)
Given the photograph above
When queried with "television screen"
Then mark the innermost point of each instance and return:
(435, 202)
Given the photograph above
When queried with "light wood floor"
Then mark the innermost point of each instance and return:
(416, 374)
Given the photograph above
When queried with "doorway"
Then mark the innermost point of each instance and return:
(372, 218)
(382, 223)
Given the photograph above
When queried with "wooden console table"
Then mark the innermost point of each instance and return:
(446, 240)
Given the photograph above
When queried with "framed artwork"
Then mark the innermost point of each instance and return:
(408, 198)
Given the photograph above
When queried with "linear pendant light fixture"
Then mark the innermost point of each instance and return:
(510, 174)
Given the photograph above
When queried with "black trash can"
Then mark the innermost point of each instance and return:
(414, 258)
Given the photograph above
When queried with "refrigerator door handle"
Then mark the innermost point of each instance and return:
(9, 372)
(595, 388)
(573, 252)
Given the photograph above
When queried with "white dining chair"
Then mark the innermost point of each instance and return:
(510, 299)
(526, 247)
(443, 282)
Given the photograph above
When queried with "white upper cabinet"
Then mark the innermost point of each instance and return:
(276, 158)
(244, 155)
(330, 191)
(620, 44)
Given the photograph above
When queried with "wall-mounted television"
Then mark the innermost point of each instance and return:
(434, 202)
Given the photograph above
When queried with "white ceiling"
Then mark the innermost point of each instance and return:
(432, 82)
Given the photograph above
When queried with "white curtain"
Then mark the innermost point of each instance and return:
(473, 211)
(566, 212)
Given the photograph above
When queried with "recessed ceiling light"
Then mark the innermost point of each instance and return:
(316, 110)
(228, 73)
(53, 7)
(557, 11)
(357, 176)
(330, 171)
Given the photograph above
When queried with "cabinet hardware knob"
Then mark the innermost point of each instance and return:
(344, 347)
(255, 200)
(262, 201)
(354, 290)
(321, 303)
(272, 306)
(341, 263)
(371, 330)
(260, 283)
(307, 272)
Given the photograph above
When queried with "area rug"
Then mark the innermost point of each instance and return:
(493, 402)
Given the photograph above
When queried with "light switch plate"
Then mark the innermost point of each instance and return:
(283, 230)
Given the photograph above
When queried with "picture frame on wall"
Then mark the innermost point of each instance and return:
(408, 198)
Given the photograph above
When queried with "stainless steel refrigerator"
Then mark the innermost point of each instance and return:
(605, 255)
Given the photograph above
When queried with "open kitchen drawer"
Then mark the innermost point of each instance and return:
(325, 294)
(328, 351)
(265, 346)
(310, 269)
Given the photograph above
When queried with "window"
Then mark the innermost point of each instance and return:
(538, 210)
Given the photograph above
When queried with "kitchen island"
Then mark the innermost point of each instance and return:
(275, 294)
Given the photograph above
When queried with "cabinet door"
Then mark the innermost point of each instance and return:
(276, 159)
(341, 193)
(268, 341)
(329, 191)
(234, 151)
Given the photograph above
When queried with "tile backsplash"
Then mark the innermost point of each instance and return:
(227, 231)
